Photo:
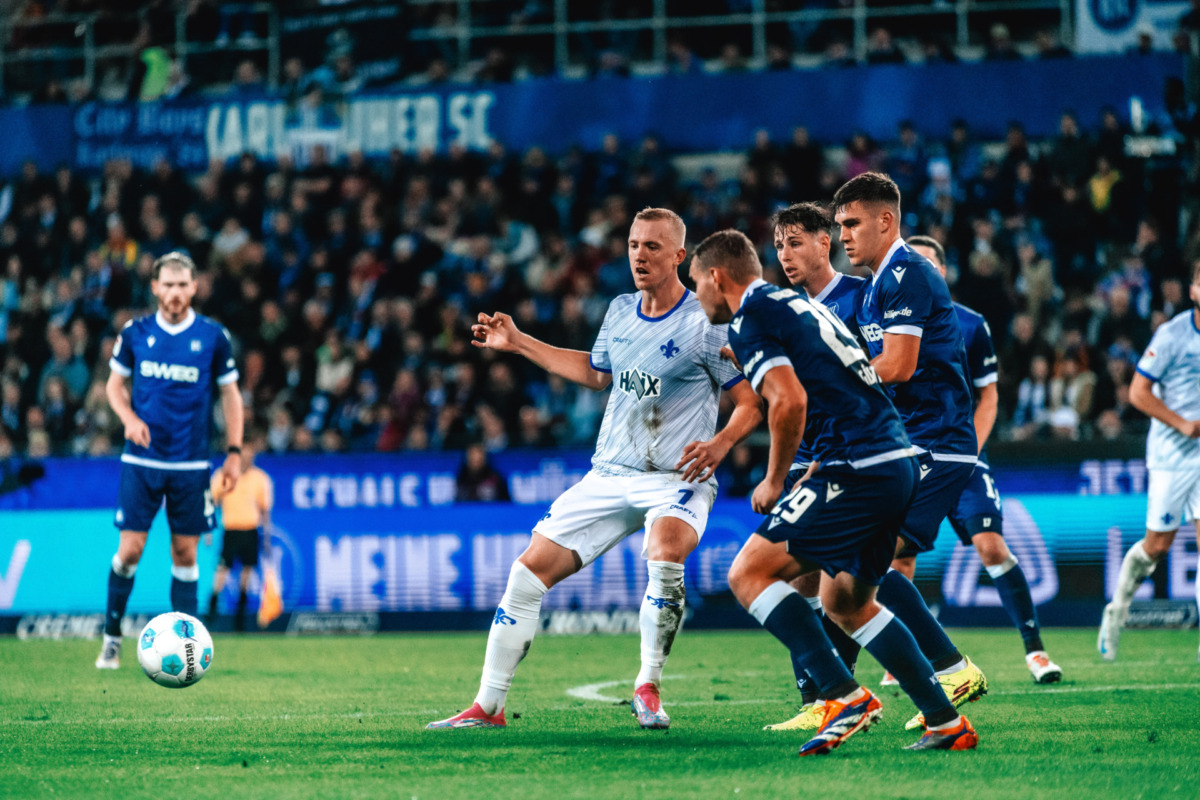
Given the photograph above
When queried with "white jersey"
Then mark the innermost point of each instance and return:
(1172, 362)
(667, 379)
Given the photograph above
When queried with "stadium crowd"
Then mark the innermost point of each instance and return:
(349, 287)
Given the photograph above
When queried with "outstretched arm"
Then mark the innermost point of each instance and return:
(499, 332)
(705, 457)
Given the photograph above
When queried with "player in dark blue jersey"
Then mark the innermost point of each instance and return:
(843, 520)
(802, 241)
(978, 517)
(912, 335)
(174, 359)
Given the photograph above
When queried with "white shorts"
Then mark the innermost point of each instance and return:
(598, 512)
(1173, 496)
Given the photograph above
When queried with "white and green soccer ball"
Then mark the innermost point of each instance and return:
(175, 650)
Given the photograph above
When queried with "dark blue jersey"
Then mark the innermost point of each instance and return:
(174, 369)
(981, 353)
(840, 296)
(908, 296)
(850, 419)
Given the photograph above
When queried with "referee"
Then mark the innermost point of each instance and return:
(245, 516)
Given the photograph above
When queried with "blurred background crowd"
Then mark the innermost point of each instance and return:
(349, 285)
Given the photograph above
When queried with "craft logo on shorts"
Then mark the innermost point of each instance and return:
(640, 384)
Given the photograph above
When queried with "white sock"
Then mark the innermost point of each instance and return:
(122, 569)
(660, 617)
(186, 574)
(1135, 568)
(512, 633)
(952, 724)
(1004, 566)
(955, 667)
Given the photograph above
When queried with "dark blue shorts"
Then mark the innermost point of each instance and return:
(190, 510)
(844, 519)
(941, 484)
(979, 507)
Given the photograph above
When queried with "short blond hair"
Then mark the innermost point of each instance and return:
(650, 214)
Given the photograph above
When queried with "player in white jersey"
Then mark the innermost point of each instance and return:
(1166, 388)
(653, 466)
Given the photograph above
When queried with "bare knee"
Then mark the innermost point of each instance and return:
(183, 550)
(740, 578)
(130, 547)
(670, 539)
(550, 562)
(1158, 543)
(906, 566)
(991, 548)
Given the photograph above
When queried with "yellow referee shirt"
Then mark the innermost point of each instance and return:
(244, 507)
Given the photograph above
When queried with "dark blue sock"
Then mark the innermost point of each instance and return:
(897, 593)
(1014, 594)
(894, 647)
(118, 597)
(184, 596)
(797, 626)
(847, 650)
(806, 685)
(846, 646)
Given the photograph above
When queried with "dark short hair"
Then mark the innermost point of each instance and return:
(869, 188)
(733, 252)
(175, 258)
(811, 217)
(933, 244)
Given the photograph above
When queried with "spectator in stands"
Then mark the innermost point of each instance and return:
(1074, 385)
(1048, 46)
(1071, 156)
(1032, 413)
(478, 481)
(1000, 45)
(882, 50)
(681, 60)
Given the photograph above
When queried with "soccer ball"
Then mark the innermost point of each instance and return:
(175, 650)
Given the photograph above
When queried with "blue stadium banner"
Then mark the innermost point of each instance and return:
(455, 559)
(689, 113)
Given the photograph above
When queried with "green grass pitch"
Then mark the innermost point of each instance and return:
(344, 717)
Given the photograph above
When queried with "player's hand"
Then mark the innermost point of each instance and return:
(497, 331)
(230, 472)
(766, 495)
(1191, 428)
(702, 460)
(727, 354)
(137, 431)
